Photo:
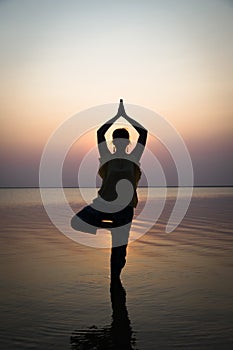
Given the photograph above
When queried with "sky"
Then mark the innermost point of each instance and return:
(58, 58)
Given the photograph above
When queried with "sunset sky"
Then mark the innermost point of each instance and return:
(60, 57)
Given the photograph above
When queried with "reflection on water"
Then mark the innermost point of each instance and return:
(179, 285)
(118, 335)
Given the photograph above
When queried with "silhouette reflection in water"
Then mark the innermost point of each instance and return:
(118, 336)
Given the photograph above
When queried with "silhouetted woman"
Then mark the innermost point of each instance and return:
(116, 167)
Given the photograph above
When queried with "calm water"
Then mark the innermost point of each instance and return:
(177, 288)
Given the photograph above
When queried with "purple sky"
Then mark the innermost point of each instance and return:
(59, 58)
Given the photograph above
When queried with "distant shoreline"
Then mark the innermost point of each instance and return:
(196, 186)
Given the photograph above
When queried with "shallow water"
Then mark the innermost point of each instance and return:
(55, 293)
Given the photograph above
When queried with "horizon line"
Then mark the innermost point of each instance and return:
(170, 186)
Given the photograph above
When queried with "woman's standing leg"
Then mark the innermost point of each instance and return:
(119, 249)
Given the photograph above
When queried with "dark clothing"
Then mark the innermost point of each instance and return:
(89, 219)
(115, 170)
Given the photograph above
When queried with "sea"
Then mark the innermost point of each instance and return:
(176, 289)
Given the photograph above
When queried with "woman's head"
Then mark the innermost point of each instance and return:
(120, 138)
(120, 133)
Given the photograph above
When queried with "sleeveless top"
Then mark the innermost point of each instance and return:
(115, 169)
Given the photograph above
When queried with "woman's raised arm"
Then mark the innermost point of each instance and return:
(141, 142)
(102, 145)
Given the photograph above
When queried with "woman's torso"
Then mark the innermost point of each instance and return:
(114, 170)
